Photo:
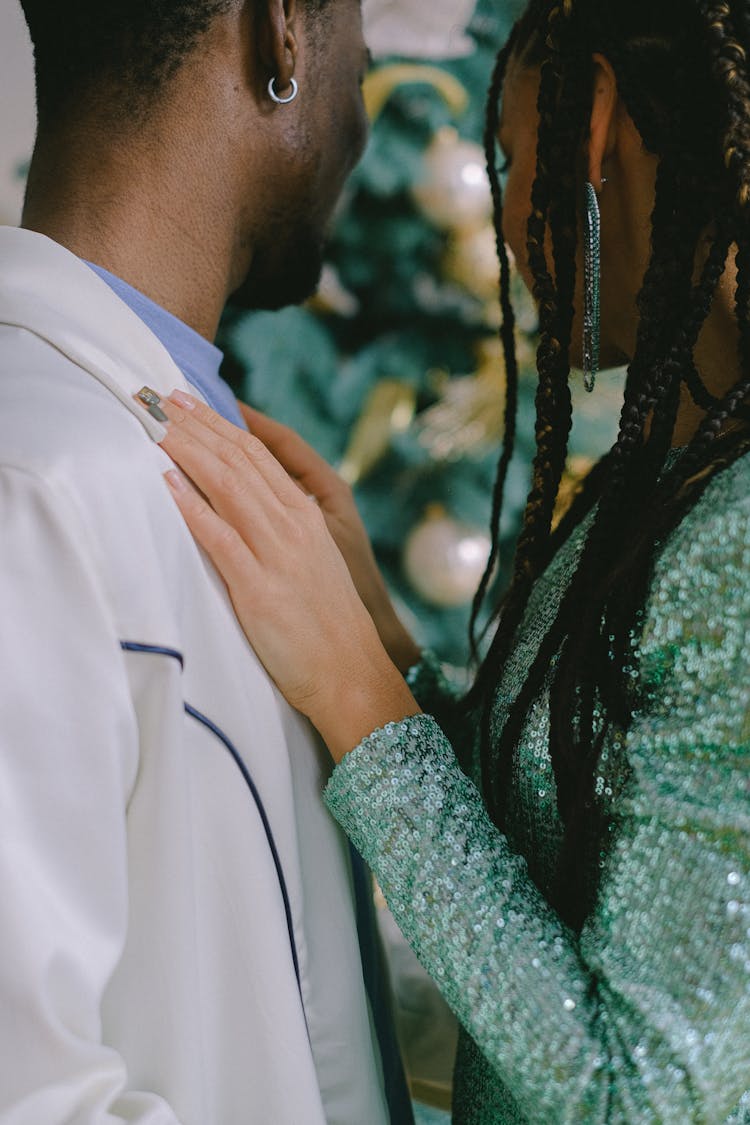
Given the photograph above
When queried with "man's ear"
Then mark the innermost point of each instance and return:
(277, 40)
(602, 132)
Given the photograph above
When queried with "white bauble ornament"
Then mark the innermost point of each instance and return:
(454, 188)
(444, 559)
(414, 29)
(471, 261)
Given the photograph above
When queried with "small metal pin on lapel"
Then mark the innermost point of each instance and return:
(151, 400)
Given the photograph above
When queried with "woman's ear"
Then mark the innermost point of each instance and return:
(601, 141)
(277, 41)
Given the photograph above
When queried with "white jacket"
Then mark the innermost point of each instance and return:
(177, 937)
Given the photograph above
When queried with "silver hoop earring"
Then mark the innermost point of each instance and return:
(275, 97)
(591, 289)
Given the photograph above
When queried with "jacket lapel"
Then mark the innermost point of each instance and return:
(49, 291)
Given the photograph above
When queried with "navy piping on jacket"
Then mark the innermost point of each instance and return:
(264, 818)
(157, 650)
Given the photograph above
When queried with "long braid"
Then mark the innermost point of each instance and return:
(713, 271)
(542, 497)
(535, 13)
(730, 66)
(592, 648)
(683, 76)
(553, 354)
(626, 486)
(507, 335)
(539, 505)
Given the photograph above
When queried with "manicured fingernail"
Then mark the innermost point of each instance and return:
(175, 481)
(186, 401)
(151, 400)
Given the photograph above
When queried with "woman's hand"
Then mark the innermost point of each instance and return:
(316, 477)
(290, 586)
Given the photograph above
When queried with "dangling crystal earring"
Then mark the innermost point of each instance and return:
(591, 285)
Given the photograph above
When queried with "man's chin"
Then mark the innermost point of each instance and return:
(270, 291)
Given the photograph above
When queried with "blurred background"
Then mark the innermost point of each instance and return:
(394, 371)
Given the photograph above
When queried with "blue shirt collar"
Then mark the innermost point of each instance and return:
(197, 358)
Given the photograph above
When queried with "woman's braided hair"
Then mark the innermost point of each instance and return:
(683, 74)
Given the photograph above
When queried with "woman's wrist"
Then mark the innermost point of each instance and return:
(372, 698)
(401, 646)
(396, 639)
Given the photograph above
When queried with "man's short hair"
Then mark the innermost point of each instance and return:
(123, 51)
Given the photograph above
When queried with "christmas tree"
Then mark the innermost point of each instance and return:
(395, 372)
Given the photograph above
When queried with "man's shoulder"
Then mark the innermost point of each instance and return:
(62, 426)
(90, 465)
(56, 416)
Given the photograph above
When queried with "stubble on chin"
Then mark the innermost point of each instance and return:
(284, 271)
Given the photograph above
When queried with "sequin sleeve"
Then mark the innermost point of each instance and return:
(646, 1015)
(429, 683)
(438, 696)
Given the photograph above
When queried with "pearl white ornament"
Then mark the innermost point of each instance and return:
(454, 188)
(414, 29)
(444, 559)
(471, 260)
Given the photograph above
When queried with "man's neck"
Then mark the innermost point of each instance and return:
(160, 222)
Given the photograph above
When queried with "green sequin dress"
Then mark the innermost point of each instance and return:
(645, 1015)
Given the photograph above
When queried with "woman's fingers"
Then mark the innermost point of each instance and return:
(228, 551)
(299, 459)
(220, 474)
(194, 431)
(288, 582)
(253, 493)
(345, 525)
